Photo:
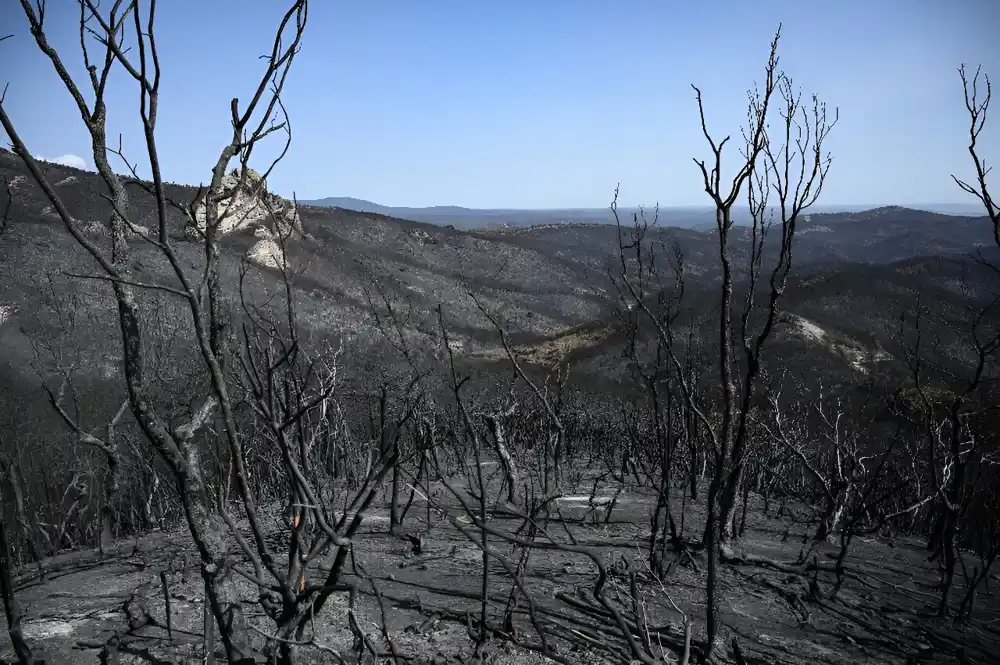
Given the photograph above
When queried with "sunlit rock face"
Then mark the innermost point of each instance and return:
(266, 253)
(243, 202)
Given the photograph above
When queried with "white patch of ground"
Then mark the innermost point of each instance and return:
(855, 359)
(41, 629)
(859, 359)
(597, 500)
(6, 313)
(809, 330)
(44, 628)
(94, 228)
(137, 229)
(69, 180)
(365, 519)
(856, 355)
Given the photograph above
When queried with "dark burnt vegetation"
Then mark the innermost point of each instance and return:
(607, 444)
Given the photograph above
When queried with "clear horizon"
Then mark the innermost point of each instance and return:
(527, 105)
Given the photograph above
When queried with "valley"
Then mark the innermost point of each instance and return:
(749, 427)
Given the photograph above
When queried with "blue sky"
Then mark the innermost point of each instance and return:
(537, 103)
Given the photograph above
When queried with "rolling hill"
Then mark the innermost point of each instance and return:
(547, 282)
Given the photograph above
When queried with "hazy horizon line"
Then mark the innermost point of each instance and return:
(825, 207)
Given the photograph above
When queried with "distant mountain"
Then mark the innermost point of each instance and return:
(470, 218)
(349, 203)
(895, 214)
(484, 218)
(688, 217)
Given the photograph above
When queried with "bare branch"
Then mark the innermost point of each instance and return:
(132, 282)
(977, 108)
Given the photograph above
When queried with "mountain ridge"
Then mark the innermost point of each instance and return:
(692, 217)
(550, 281)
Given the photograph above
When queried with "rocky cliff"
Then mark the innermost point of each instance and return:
(244, 203)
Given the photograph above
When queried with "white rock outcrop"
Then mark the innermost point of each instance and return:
(243, 203)
(266, 253)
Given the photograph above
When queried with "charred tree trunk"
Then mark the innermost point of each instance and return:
(503, 454)
(746, 501)
(833, 516)
(109, 515)
(949, 554)
(11, 607)
(395, 515)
